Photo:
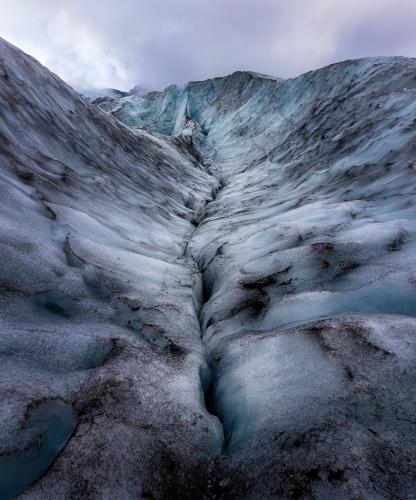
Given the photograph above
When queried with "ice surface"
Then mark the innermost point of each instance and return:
(276, 381)
(242, 246)
(94, 222)
(313, 217)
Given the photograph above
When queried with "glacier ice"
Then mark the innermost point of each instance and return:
(209, 292)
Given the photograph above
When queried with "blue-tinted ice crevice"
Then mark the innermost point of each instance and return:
(202, 291)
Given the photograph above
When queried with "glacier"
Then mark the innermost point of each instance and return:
(209, 291)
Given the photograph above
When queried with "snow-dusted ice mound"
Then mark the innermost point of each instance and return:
(215, 298)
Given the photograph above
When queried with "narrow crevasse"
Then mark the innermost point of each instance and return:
(201, 287)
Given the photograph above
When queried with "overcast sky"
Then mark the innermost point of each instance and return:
(118, 43)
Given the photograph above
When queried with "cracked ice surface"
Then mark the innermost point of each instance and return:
(314, 218)
(93, 222)
(245, 237)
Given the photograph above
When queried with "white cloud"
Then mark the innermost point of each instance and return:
(92, 43)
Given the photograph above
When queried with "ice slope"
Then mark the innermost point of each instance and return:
(100, 340)
(313, 217)
(248, 253)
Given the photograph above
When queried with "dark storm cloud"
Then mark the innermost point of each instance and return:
(119, 43)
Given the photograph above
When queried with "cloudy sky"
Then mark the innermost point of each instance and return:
(118, 43)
